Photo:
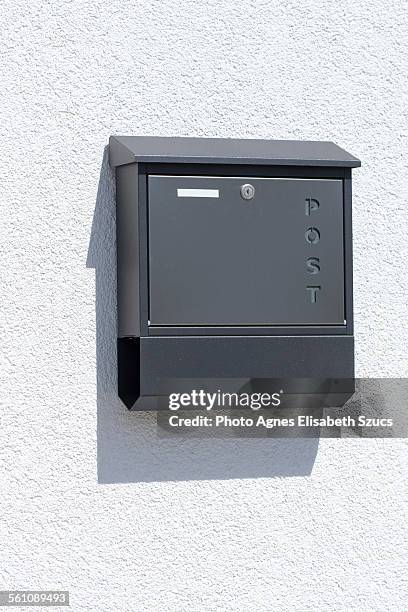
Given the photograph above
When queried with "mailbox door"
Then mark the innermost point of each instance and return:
(218, 259)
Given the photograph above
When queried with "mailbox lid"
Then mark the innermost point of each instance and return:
(163, 149)
(217, 259)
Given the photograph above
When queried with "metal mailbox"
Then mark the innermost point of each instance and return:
(234, 261)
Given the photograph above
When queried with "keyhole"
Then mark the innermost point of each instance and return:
(247, 191)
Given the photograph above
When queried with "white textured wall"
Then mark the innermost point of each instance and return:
(91, 501)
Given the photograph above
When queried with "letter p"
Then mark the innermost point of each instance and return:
(311, 206)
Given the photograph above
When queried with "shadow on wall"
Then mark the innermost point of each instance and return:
(128, 447)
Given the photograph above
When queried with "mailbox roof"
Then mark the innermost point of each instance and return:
(129, 149)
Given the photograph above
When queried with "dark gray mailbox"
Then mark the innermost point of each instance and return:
(234, 261)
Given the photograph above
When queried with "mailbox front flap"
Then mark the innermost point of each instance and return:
(231, 251)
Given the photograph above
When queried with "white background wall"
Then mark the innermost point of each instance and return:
(91, 500)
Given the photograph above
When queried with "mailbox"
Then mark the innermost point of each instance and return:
(234, 261)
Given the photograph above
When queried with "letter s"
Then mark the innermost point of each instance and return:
(276, 399)
(313, 265)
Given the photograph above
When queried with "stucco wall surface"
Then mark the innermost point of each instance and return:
(91, 500)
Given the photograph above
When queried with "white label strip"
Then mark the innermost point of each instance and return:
(198, 193)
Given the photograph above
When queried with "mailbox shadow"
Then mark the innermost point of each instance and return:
(128, 447)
